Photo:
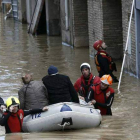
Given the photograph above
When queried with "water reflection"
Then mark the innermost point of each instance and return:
(21, 53)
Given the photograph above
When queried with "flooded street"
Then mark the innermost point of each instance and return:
(22, 53)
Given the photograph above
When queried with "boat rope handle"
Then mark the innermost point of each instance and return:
(65, 124)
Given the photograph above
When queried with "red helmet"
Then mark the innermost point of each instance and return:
(97, 44)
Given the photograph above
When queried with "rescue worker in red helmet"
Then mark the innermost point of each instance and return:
(86, 81)
(104, 62)
(102, 95)
(13, 117)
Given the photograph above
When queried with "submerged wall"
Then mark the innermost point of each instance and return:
(74, 22)
(22, 11)
(80, 23)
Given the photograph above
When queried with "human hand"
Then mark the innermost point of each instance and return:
(45, 108)
(90, 103)
(82, 98)
(93, 102)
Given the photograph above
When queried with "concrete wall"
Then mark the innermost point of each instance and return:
(22, 11)
(30, 5)
(95, 23)
(76, 34)
(66, 30)
(105, 22)
(28, 11)
(0, 6)
(137, 19)
(130, 64)
(112, 27)
(80, 23)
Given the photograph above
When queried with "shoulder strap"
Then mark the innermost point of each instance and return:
(19, 122)
(104, 96)
(91, 81)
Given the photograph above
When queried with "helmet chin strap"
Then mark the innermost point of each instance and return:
(103, 48)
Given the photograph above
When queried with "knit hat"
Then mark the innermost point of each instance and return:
(52, 70)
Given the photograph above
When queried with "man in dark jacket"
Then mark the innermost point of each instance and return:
(60, 88)
(104, 62)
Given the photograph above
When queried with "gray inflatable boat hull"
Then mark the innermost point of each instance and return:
(60, 116)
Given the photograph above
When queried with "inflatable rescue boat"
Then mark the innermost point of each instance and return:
(60, 116)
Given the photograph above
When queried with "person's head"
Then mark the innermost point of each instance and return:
(106, 80)
(52, 70)
(13, 102)
(27, 78)
(99, 45)
(85, 69)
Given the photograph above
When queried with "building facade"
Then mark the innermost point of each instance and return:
(74, 22)
(137, 37)
(105, 23)
(45, 14)
(109, 20)
(130, 63)
(82, 22)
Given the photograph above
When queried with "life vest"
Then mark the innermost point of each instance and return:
(15, 121)
(82, 88)
(101, 97)
(105, 55)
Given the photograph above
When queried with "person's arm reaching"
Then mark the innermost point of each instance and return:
(34, 111)
(107, 104)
